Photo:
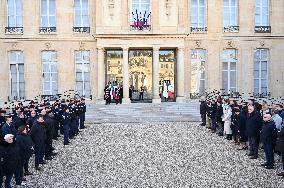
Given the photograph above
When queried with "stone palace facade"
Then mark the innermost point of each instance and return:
(188, 47)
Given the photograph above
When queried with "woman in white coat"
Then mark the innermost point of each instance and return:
(227, 113)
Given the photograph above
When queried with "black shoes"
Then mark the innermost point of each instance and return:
(28, 173)
(37, 168)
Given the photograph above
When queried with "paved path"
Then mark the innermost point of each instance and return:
(143, 112)
(164, 154)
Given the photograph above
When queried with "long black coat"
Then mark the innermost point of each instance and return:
(25, 144)
(280, 141)
(30, 121)
(11, 158)
(241, 125)
(253, 124)
(268, 133)
(38, 134)
(218, 114)
(18, 122)
(203, 107)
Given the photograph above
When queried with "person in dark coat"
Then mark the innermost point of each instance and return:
(211, 114)
(26, 146)
(8, 127)
(38, 135)
(253, 127)
(82, 115)
(280, 146)
(2, 118)
(48, 125)
(66, 119)
(203, 107)
(11, 161)
(107, 96)
(19, 120)
(268, 137)
(241, 128)
(218, 118)
(30, 121)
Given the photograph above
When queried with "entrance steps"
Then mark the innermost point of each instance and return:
(143, 112)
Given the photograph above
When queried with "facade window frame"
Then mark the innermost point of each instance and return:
(52, 74)
(20, 84)
(258, 62)
(85, 68)
(82, 27)
(50, 27)
(226, 73)
(17, 16)
(201, 25)
(139, 14)
(232, 9)
(201, 55)
(262, 27)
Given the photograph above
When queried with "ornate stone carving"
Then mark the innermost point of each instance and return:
(262, 43)
(81, 45)
(198, 43)
(14, 45)
(47, 45)
(111, 8)
(230, 44)
(168, 6)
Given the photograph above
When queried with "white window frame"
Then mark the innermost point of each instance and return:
(139, 10)
(17, 63)
(199, 25)
(48, 15)
(259, 78)
(50, 63)
(231, 8)
(83, 63)
(15, 14)
(262, 13)
(203, 59)
(229, 70)
(82, 24)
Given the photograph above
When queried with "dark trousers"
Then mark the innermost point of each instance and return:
(203, 118)
(48, 147)
(140, 96)
(269, 154)
(82, 120)
(282, 159)
(25, 165)
(66, 129)
(9, 178)
(39, 154)
(253, 145)
(56, 128)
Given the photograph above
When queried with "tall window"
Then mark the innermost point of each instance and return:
(17, 80)
(140, 15)
(260, 72)
(198, 57)
(262, 16)
(230, 16)
(48, 16)
(81, 16)
(82, 62)
(229, 72)
(14, 17)
(49, 72)
(198, 16)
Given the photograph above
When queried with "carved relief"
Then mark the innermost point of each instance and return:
(47, 45)
(230, 44)
(262, 43)
(168, 6)
(81, 45)
(198, 43)
(111, 8)
(14, 46)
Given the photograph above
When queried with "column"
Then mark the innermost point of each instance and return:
(125, 99)
(180, 76)
(101, 76)
(155, 77)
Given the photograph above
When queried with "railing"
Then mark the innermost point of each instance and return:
(262, 29)
(81, 29)
(140, 28)
(231, 29)
(13, 30)
(47, 30)
(198, 29)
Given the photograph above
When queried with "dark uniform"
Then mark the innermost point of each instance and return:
(203, 112)
(82, 115)
(66, 120)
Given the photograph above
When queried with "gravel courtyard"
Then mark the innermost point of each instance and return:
(173, 154)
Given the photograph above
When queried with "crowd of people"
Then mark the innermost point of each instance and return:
(27, 130)
(250, 124)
